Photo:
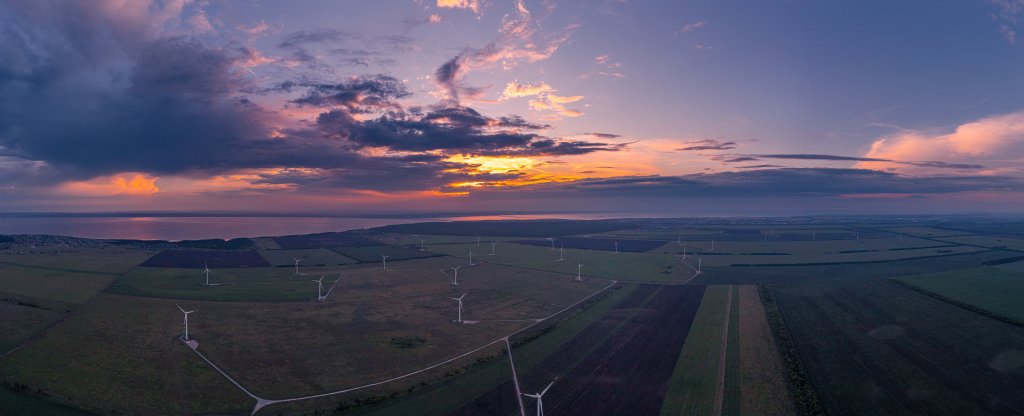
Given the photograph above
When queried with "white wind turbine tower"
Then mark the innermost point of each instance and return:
(422, 242)
(186, 319)
(579, 272)
(561, 253)
(616, 247)
(552, 240)
(492, 248)
(456, 270)
(320, 288)
(712, 245)
(206, 271)
(698, 264)
(297, 260)
(684, 251)
(384, 260)
(539, 397)
(459, 299)
(470, 257)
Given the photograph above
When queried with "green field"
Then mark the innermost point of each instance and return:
(111, 260)
(696, 382)
(24, 404)
(988, 241)
(309, 257)
(989, 288)
(647, 267)
(243, 284)
(372, 254)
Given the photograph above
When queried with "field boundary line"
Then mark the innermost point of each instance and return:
(723, 353)
(963, 305)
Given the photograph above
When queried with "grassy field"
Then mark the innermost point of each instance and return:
(652, 267)
(372, 254)
(989, 288)
(22, 322)
(927, 232)
(257, 284)
(988, 241)
(118, 354)
(24, 404)
(763, 389)
(110, 260)
(891, 350)
(838, 273)
(310, 257)
(696, 387)
(51, 284)
(477, 386)
(430, 239)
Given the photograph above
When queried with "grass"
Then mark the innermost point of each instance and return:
(310, 257)
(891, 350)
(110, 260)
(988, 241)
(695, 381)
(17, 403)
(22, 322)
(988, 288)
(763, 386)
(243, 284)
(118, 354)
(371, 254)
(449, 395)
(649, 267)
(51, 284)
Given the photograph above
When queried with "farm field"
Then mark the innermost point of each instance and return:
(372, 254)
(927, 232)
(603, 244)
(51, 284)
(988, 241)
(989, 288)
(852, 256)
(111, 260)
(271, 284)
(891, 350)
(414, 240)
(603, 264)
(121, 358)
(21, 322)
(322, 240)
(310, 257)
(197, 259)
(729, 363)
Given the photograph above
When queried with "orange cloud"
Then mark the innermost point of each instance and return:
(124, 184)
(556, 103)
(990, 140)
(473, 5)
(516, 90)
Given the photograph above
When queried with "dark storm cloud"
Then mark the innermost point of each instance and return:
(793, 182)
(358, 95)
(707, 144)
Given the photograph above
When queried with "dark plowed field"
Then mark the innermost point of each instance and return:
(619, 364)
(605, 244)
(195, 259)
(892, 351)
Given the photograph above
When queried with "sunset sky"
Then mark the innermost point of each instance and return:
(695, 107)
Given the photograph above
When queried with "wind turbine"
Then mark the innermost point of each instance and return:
(459, 299)
(616, 247)
(206, 271)
(684, 251)
(456, 270)
(422, 242)
(492, 248)
(319, 288)
(540, 401)
(698, 264)
(297, 260)
(579, 272)
(470, 257)
(561, 253)
(712, 245)
(186, 319)
(552, 240)
(384, 260)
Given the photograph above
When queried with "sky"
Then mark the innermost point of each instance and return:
(788, 107)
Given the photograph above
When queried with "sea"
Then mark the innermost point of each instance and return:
(195, 227)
